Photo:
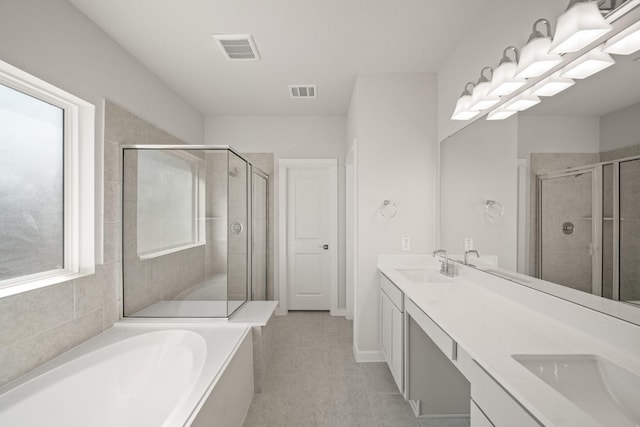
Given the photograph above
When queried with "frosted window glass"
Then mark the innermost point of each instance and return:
(166, 201)
(31, 185)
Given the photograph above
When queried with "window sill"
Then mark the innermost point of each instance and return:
(157, 254)
(42, 280)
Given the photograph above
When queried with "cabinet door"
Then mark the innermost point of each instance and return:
(397, 354)
(385, 326)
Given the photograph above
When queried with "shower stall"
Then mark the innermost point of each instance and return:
(194, 231)
(588, 228)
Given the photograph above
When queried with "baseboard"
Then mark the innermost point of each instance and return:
(339, 312)
(281, 312)
(367, 356)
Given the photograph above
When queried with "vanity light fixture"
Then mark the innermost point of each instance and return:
(581, 24)
(500, 114)
(480, 99)
(625, 42)
(552, 85)
(588, 64)
(522, 102)
(504, 81)
(463, 109)
(535, 58)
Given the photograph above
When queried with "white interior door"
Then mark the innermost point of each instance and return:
(311, 236)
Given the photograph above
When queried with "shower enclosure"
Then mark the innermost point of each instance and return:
(588, 227)
(188, 231)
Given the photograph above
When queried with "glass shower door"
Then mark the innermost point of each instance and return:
(629, 251)
(566, 231)
(238, 241)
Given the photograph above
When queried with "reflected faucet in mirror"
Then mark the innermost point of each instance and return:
(466, 255)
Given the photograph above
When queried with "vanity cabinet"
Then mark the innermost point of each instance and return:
(491, 405)
(392, 329)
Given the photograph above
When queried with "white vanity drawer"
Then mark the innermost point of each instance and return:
(444, 342)
(496, 403)
(392, 291)
(478, 418)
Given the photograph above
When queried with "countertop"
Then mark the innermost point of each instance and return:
(491, 328)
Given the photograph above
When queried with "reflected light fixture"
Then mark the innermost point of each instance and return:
(522, 102)
(626, 42)
(480, 99)
(504, 81)
(552, 85)
(500, 114)
(581, 24)
(463, 109)
(588, 64)
(535, 58)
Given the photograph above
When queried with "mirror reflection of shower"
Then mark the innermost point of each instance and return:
(588, 228)
(186, 234)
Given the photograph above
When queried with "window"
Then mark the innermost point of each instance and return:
(170, 202)
(46, 183)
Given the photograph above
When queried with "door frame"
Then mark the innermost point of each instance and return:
(284, 165)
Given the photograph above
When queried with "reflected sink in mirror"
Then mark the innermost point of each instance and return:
(423, 275)
(604, 390)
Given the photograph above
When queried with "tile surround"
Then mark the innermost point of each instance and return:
(38, 325)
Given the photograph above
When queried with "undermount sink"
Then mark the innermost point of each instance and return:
(604, 390)
(423, 275)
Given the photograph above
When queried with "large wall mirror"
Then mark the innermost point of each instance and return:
(551, 196)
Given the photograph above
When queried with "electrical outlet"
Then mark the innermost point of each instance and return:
(406, 244)
(468, 243)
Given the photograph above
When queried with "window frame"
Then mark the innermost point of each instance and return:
(78, 182)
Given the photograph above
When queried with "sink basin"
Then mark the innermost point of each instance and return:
(423, 275)
(604, 390)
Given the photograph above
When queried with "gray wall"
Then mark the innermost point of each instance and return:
(55, 42)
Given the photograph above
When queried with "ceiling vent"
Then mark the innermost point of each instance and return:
(238, 47)
(303, 91)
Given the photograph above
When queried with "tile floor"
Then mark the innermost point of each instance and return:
(314, 380)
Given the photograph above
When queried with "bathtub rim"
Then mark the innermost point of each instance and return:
(102, 340)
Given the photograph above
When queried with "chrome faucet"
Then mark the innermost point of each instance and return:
(466, 255)
(446, 268)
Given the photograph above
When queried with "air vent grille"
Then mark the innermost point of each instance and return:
(238, 47)
(303, 91)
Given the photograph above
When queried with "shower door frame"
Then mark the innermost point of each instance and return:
(597, 215)
(596, 219)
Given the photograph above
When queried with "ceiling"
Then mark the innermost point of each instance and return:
(323, 42)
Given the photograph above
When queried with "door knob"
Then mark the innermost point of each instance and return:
(325, 247)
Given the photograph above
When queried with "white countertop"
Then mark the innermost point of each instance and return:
(492, 328)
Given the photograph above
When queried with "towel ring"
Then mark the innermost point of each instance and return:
(388, 209)
(493, 209)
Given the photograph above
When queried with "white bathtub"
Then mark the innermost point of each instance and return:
(138, 375)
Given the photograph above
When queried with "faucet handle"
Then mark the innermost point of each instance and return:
(439, 251)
